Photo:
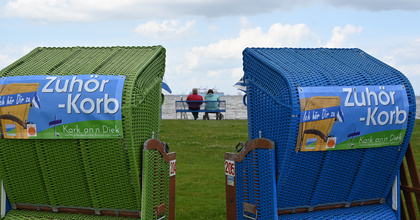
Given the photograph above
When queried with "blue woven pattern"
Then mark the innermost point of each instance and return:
(239, 173)
(371, 212)
(255, 183)
(272, 76)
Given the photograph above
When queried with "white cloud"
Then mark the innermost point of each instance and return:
(339, 35)
(215, 74)
(237, 73)
(46, 10)
(168, 29)
(221, 62)
(223, 59)
(9, 53)
(278, 35)
(412, 72)
(26, 49)
(403, 55)
(52, 11)
(5, 60)
(375, 5)
(244, 22)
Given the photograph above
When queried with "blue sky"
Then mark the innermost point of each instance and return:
(204, 39)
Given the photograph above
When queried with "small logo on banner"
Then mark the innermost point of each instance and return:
(11, 129)
(230, 181)
(331, 142)
(229, 168)
(31, 128)
(310, 143)
(172, 168)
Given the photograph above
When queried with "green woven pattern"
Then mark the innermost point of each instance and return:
(19, 159)
(27, 215)
(103, 174)
(107, 187)
(62, 168)
(155, 182)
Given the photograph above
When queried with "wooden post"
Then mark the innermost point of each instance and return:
(230, 179)
(406, 189)
(230, 190)
(172, 167)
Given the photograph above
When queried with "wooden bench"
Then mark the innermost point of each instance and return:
(182, 108)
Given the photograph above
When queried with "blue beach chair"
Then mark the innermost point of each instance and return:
(289, 171)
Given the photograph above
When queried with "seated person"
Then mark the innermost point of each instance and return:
(211, 106)
(195, 105)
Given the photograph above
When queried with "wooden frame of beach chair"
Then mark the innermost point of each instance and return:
(241, 169)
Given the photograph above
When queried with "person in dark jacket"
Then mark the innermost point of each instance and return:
(196, 101)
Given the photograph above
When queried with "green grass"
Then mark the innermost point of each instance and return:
(200, 147)
(415, 143)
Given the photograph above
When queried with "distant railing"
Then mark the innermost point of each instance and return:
(184, 107)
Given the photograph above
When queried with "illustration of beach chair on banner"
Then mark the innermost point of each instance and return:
(302, 159)
(313, 135)
(14, 110)
(93, 153)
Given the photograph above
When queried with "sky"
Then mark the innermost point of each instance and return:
(204, 39)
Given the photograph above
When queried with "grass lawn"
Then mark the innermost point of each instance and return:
(200, 147)
(415, 142)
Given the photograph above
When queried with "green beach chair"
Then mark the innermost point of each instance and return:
(95, 168)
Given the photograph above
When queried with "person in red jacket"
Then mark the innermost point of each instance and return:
(197, 100)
